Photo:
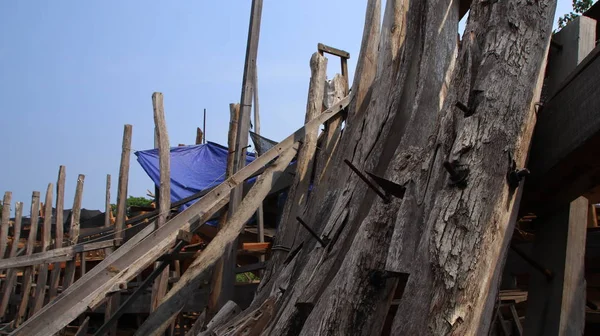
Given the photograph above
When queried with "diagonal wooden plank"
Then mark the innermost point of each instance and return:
(128, 261)
(74, 231)
(189, 281)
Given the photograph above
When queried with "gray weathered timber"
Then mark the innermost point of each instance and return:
(40, 288)
(325, 199)
(70, 267)
(460, 233)
(557, 307)
(175, 299)
(298, 192)
(159, 287)
(59, 234)
(216, 300)
(356, 299)
(54, 256)
(127, 261)
(11, 275)
(5, 223)
(123, 181)
(28, 272)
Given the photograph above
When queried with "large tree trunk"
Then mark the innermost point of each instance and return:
(403, 124)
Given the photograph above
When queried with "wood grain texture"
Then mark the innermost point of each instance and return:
(40, 288)
(59, 231)
(11, 276)
(28, 272)
(74, 228)
(123, 182)
(4, 223)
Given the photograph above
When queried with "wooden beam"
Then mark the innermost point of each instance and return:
(129, 260)
(333, 51)
(28, 272)
(199, 136)
(40, 289)
(562, 160)
(5, 223)
(54, 256)
(11, 276)
(557, 307)
(123, 181)
(69, 276)
(60, 201)
(260, 216)
(189, 281)
(159, 287)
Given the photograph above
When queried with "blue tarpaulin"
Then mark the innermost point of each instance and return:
(193, 168)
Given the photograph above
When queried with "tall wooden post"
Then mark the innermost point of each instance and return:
(159, 288)
(123, 181)
(40, 289)
(5, 223)
(74, 231)
(260, 216)
(557, 306)
(60, 201)
(11, 275)
(28, 272)
(242, 140)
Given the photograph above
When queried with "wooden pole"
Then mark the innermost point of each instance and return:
(11, 276)
(40, 289)
(59, 231)
(123, 181)
(204, 128)
(259, 213)
(214, 303)
(5, 223)
(242, 138)
(74, 232)
(28, 272)
(159, 288)
(199, 136)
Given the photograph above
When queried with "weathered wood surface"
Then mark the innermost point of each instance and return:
(298, 192)
(59, 231)
(5, 223)
(11, 275)
(70, 267)
(40, 289)
(200, 267)
(557, 307)
(128, 261)
(216, 300)
(566, 134)
(54, 256)
(28, 272)
(123, 182)
(226, 313)
(159, 287)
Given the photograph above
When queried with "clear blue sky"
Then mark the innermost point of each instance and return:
(72, 73)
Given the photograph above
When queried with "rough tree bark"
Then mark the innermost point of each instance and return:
(447, 237)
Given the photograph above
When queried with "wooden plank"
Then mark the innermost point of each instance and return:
(159, 287)
(69, 276)
(557, 307)
(11, 276)
(123, 181)
(260, 216)
(197, 271)
(199, 136)
(59, 234)
(40, 289)
(128, 261)
(55, 255)
(5, 223)
(563, 163)
(333, 51)
(592, 216)
(28, 272)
